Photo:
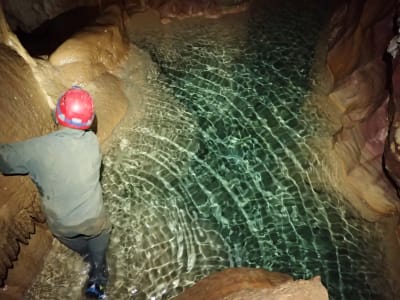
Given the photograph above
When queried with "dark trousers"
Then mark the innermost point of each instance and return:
(92, 248)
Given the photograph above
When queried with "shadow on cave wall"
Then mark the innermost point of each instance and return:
(45, 39)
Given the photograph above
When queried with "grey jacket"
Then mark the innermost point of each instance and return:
(65, 166)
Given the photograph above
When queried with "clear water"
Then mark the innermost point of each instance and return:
(216, 173)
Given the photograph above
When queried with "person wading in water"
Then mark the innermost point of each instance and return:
(65, 166)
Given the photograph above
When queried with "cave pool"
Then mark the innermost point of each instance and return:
(217, 172)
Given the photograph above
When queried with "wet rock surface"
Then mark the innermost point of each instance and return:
(91, 58)
(293, 290)
(255, 284)
(23, 114)
(360, 104)
(392, 146)
(357, 104)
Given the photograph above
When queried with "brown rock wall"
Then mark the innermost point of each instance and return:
(359, 32)
(222, 284)
(292, 290)
(29, 262)
(250, 283)
(24, 113)
(181, 9)
(28, 15)
(357, 103)
(91, 58)
(392, 147)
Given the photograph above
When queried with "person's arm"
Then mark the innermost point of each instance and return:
(12, 159)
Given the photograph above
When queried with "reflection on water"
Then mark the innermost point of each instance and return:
(216, 174)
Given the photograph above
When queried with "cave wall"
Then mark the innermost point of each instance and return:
(359, 103)
(29, 15)
(170, 10)
(392, 146)
(23, 114)
(356, 104)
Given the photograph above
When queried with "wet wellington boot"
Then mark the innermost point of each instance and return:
(95, 290)
(98, 278)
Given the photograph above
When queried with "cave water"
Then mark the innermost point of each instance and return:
(216, 173)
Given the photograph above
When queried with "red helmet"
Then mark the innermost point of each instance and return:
(75, 109)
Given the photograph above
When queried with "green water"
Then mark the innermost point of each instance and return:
(237, 166)
(216, 173)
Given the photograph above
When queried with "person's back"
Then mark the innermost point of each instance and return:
(65, 166)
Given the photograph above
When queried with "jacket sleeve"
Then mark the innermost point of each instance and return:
(12, 159)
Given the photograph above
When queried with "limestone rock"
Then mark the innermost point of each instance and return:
(8, 38)
(254, 284)
(361, 29)
(392, 147)
(224, 283)
(30, 260)
(181, 9)
(293, 290)
(357, 105)
(361, 102)
(89, 58)
(24, 113)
